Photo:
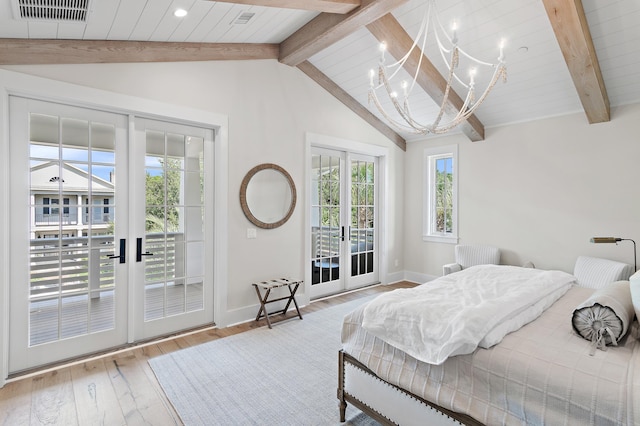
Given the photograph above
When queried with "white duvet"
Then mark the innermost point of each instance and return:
(454, 314)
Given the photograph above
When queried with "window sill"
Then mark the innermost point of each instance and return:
(440, 239)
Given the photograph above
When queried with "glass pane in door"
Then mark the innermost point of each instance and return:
(362, 217)
(174, 224)
(325, 219)
(71, 277)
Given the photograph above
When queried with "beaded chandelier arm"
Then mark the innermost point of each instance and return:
(451, 56)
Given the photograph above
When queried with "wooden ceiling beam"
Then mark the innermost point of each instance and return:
(351, 103)
(327, 28)
(389, 30)
(32, 51)
(570, 26)
(328, 6)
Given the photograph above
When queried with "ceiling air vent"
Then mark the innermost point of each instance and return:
(53, 10)
(243, 18)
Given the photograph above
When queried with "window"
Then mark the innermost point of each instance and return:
(55, 210)
(45, 201)
(440, 197)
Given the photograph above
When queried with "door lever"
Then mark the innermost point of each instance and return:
(139, 252)
(121, 256)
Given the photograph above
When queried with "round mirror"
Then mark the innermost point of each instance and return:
(267, 196)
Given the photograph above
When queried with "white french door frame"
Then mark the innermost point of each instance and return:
(24, 354)
(314, 140)
(341, 282)
(23, 85)
(139, 327)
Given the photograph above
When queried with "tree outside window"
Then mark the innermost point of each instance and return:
(163, 197)
(444, 195)
(440, 205)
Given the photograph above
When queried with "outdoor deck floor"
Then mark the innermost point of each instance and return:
(66, 317)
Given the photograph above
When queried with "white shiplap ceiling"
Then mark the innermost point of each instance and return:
(539, 82)
(153, 20)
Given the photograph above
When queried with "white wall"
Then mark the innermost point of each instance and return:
(538, 190)
(270, 107)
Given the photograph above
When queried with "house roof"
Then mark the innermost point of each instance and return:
(49, 177)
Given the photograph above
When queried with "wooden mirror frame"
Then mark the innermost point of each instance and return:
(243, 195)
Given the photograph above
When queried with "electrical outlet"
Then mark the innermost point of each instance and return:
(252, 233)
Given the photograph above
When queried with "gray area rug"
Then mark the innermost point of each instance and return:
(287, 375)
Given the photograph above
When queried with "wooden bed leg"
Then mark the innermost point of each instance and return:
(343, 404)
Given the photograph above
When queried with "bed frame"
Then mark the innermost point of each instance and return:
(387, 403)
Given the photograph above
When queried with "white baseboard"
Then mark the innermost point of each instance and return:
(395, 277)
(414, 277)
(248, 313)
(418, 277)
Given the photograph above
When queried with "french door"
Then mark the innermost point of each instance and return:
(102, 221)
(344, 239)
(172, 282)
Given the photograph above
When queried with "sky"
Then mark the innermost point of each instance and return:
(103, 162)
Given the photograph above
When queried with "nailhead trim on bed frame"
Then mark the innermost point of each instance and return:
(344, 396)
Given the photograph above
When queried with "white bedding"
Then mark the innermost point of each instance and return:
(541, 374)
(453, 314)
(494, 336)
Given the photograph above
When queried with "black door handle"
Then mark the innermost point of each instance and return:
(139, 252)
(121, 256)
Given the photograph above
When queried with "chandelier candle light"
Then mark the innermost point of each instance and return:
(450, 52)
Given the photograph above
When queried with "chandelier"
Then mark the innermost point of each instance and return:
(451, 54)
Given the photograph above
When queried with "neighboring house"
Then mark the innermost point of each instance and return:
(62, 203)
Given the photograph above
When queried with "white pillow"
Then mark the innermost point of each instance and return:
(635, 292)
(593, 272)
(604, 317)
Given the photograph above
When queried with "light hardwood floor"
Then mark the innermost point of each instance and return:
(120, 388)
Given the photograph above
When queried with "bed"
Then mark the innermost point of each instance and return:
(541, 373)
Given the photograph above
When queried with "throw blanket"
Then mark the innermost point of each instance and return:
(451, 315)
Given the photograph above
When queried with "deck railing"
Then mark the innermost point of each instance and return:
(72, 265)
(42, 219)
(326, 240)
(56, 219)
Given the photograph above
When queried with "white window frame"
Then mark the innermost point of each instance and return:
(429, 232)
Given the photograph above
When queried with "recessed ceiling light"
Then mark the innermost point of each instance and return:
(180, 13)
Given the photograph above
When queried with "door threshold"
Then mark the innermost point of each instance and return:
(343, 292)
(25, 374)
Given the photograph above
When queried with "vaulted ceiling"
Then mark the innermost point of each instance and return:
(563, 56)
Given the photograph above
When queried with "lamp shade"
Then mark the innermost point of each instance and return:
(605, 240)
